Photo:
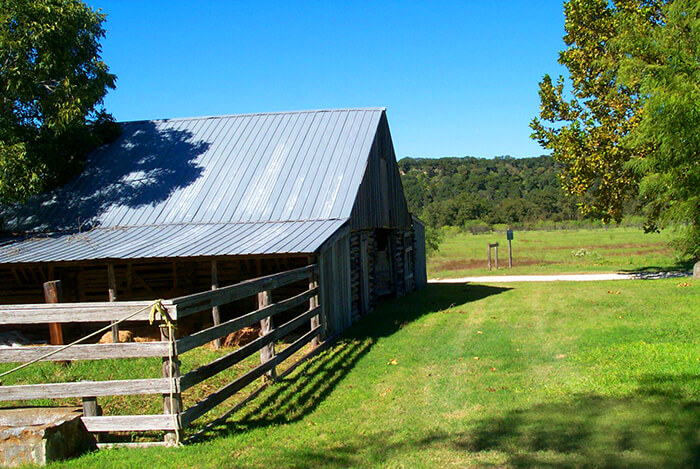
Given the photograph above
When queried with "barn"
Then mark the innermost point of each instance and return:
(178, 206)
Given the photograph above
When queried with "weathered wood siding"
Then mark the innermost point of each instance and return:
(335, 280)
(380, 215)
(420, 275)
(380, 201)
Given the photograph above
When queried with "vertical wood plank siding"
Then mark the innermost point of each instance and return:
(420, 275)
(334, 267)
(381, 204)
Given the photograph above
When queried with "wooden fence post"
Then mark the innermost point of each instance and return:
(53, 293)
(174, 405)
(90, 407)
(112, 285)
(267, 353)
(493, 245)
(313, 302)
(215, 309)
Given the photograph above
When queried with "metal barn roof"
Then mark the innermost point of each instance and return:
(240, 184)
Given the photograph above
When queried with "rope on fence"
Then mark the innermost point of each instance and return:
(158, 308)
(83, 339)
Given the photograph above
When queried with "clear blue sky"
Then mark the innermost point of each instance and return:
(457, 78)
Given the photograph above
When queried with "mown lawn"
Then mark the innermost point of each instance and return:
(611, 249)
(594, 374)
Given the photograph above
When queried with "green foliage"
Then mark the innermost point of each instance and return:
(630, 125)
(52, 82)
(661, 60)
(433, 238)
(585, 130)
(470, 192)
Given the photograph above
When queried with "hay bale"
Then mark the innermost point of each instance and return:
(124, 336)
(241, 337)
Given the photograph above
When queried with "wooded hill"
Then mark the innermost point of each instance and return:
(468, 191)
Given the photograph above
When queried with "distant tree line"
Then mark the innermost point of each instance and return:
(468, 192)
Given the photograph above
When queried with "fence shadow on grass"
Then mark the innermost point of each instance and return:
(298, 394)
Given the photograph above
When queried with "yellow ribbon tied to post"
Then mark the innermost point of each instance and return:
(158, 308)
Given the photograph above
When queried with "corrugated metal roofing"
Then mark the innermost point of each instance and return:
(188, 183)
(183, 240)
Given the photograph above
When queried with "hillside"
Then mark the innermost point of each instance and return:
(457, 191)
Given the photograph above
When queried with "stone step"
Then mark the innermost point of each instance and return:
(38, 435)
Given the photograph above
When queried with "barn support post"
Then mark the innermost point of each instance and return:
(313, 302)
(267, 353)
(129, 280)
(322, 297)
(215, 315)
(112, 285)
(53, 293)
(172, 404)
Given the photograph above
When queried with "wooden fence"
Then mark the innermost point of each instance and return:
(171, 384)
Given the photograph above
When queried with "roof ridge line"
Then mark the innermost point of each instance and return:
(272, 113)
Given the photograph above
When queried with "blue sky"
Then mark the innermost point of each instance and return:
(457, 78)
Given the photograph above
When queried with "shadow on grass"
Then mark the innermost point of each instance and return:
(678, 266)
(593, 431)
(654, 426)
(393, 314)
(647, 429)
(297, 395)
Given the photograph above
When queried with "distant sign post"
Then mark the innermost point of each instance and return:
(509, 235)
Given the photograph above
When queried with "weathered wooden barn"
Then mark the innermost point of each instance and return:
(178, 206)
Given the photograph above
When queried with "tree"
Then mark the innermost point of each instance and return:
(52, 85)
(662, 60)
(632, 124)
(585, 132)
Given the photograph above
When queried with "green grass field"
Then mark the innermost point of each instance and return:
(612, 249)
(593, 374)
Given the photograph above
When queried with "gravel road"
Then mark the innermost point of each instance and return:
(563, 277)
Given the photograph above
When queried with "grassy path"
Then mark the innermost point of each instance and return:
(511, 375)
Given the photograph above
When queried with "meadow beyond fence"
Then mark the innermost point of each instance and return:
(614, 249)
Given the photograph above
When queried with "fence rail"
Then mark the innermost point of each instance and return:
(85, 352)
(171, 385)
(204, 301)
(77, 312)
